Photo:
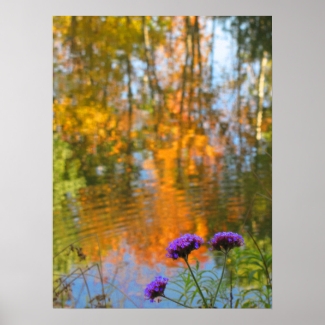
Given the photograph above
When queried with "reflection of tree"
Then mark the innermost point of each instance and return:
(66, 178)
(67, 182)
(136, 95)
(254, 45)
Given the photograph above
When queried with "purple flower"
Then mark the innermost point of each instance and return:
(183, 246)
(156, 288)
(225, 241)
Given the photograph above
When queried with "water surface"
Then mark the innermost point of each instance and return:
(162, 126)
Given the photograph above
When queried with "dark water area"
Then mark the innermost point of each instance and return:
(162, 126)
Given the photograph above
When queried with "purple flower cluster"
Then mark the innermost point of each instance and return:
(156, 288)
(183, 246)
(225, 241)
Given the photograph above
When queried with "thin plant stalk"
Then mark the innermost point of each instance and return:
(100, 255)
(124, 294)
(62, 300)
(263, 259)
(259, 180)
(115, 274)
(223, 270)
(176, 302)
(102, 282)
(65, 278)
(248, 211)
(112, 285)
(266, 197)
(78, 276)
(100, 269)
(76, 241)
(74, 279)
(85, 281)
(231, 296)
(197, 285)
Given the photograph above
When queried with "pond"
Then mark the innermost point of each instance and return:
(162, 126)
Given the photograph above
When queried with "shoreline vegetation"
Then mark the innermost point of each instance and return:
(248, 267)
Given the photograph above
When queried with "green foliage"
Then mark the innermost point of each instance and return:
(66, 183)
(186, 288)
(247, 281)
(251, 276)
(66, 177)
(253, 34)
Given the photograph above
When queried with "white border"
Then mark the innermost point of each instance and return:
(26, 161)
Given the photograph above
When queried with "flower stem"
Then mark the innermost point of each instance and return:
(176, 302)
(269, 281)
(197, 285)
(223, 270)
